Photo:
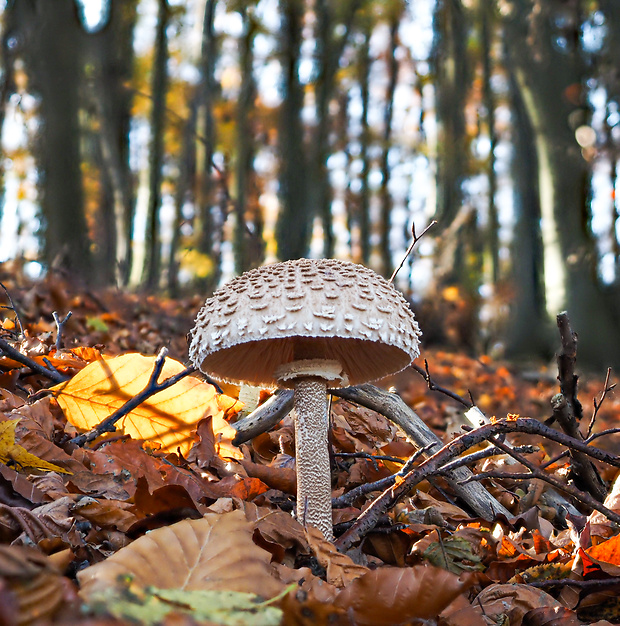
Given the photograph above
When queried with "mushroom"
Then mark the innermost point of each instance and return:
(309, 325)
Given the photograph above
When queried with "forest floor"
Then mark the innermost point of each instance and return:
(166, 521)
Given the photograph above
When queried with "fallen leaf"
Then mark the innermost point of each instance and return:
(168, 417)
(341, 569)
(396, 595)
(11, 451)
(212, 553)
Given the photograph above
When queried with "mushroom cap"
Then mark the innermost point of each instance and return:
(304, 309)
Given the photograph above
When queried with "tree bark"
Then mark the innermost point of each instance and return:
(55, 72)
(159, 86)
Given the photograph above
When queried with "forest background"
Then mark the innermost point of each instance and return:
(167, 145)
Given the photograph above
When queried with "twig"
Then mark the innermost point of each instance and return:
(567, 359)
(569, 582)
(567, 411)
(367, 520)
(597, 404)
(14, 309)
(582, 496)
(433, 386)
(346, 499)
(7, 349)
(416, 238)
(152, 387)
(59, 327)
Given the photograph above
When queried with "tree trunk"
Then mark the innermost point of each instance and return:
(384, 192)
(529, 332)
(452, 73)
(55, 71)
(112, 55)
(365, 139)
(544, 74)
(294, 226)
(159, 85)
(245, 148)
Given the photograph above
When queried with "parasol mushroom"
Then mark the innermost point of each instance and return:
(309, 325)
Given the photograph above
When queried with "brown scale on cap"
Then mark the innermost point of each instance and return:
(308, 324)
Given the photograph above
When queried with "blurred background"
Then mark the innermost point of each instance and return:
(167, 145)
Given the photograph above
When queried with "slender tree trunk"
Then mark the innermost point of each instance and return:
(159, 86)
(208, 229)
(112, 55)
(384, 192)
(245, 146)
(452, 73)
(365, 140)
(294, 226)
(486, 36)
(55, 72)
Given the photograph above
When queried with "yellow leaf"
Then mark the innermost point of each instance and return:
(169, 417)
(11, 451)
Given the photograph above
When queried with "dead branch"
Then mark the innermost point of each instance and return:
(367, 520)
(433, 386)
(8, 350)
(598, 403)
(264, 417)
(393, 407)
(152, 387)
(347, 499)
(567, 358)
(415, 240)
(567, 411)
(581, 496)
(13, 308)
(60, 324)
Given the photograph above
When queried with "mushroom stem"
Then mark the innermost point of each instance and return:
(314, 492)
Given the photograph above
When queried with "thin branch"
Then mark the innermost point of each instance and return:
(60, 324)
(7, 349)
(368, 519)
(346, 499)
(14, 309)
(416, 238)
(152, 387)
(433, 386)
(597, 404)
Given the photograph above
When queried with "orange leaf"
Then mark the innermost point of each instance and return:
(168, 417)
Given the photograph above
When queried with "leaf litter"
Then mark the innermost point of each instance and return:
(165, 519)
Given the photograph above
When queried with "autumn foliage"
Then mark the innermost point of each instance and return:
(166, 521)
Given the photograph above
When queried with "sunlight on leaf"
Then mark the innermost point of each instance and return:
(169, 417)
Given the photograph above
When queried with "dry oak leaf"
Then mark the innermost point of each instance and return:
(213, 553)
(169, 417)
(11, 451)
(340, 568)
(33, 581)
(397, 595)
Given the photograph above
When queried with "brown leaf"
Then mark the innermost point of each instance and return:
(341, 569)
(212, 553)
(551, 616)
(393, 595)
(36, 586)
(514, 601)
(276, 526)
(282, 478)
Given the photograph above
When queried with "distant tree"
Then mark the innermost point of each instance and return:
(50, 40)
(159, 84)
(550, 73)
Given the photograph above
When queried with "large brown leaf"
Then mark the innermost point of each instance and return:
(395, 595)
(212, 553)
(168, 417)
